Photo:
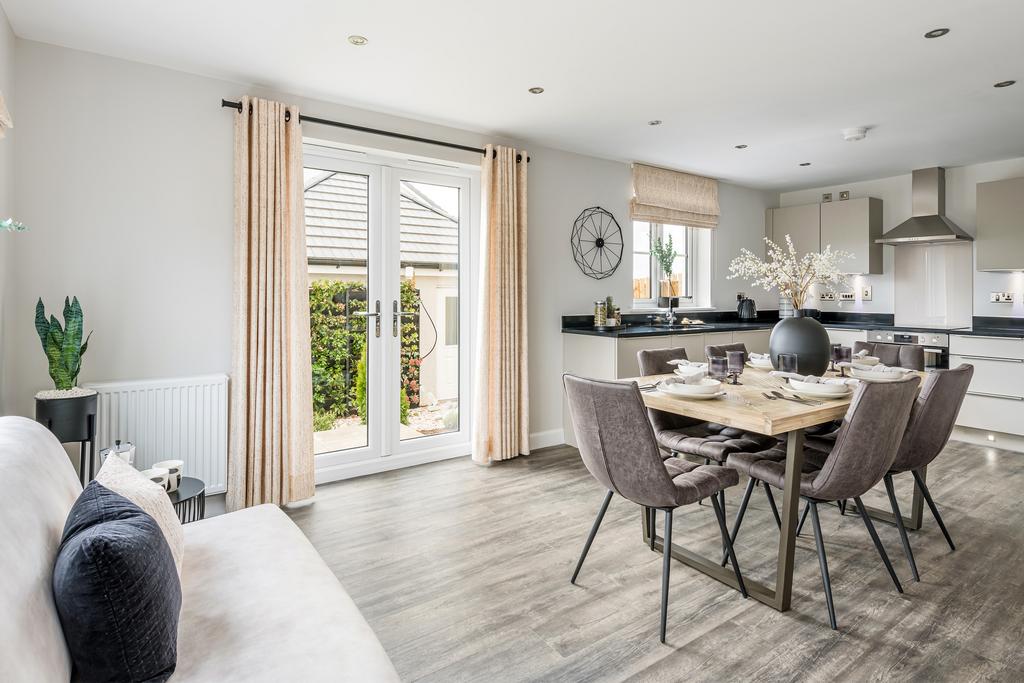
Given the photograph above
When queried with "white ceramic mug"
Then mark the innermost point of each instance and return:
(173, 468)
(158, 475)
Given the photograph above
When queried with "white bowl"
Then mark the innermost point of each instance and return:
(706, 386)
(865, 360)
(819, 389)
(762, 364)
(875, 376)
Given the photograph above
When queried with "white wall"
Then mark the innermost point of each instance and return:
(126, 178)
(7, 208)
(895, 193)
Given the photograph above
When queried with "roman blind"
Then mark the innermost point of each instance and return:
(673, 197)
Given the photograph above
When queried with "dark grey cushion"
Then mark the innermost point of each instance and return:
(694, 482)
(702, 441)
(116, 590)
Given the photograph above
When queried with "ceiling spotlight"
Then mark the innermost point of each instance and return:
(936, 33)
(852, 134)
(536, 90)
(1004, 84)
(805, 163)
(358, 41)
(740, 146)
(654, 122)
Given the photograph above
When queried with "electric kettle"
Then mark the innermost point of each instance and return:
(746, 309)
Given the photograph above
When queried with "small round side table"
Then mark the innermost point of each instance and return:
(189, 500)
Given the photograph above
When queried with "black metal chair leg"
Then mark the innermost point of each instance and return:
(931, 506)
(652, 518)
(720, 513)
(803, 518)
(878, 544)
(771, 503)
(593, 532)
(666, 566)
(739, 516)
(823, 564)
(899, 525)
(842, 507)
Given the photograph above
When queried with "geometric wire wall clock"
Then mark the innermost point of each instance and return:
(596, 242)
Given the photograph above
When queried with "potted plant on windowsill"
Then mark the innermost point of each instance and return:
(665, 254)
(67, 410)
(793, 276)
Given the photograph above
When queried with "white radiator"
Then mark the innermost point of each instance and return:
(169, 419)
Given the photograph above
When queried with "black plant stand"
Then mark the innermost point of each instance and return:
(72, 419)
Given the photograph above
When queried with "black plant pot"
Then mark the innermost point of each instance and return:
(804, 337)
(72, 419)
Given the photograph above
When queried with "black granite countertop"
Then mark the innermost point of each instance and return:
(645, 330)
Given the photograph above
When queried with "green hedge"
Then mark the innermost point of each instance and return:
(338, 343)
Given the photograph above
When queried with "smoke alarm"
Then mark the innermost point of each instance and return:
(852, 134)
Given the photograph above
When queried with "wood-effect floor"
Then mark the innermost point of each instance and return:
(463, 572)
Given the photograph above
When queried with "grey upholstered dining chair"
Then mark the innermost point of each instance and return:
(908, 356)
(931, 422)
(618, 447)
(865, 449)
(708, 440)
(721, 350)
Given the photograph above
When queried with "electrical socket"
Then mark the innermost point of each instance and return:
(865, 293)
(1000, 297)
(847, 296)
(826, 296)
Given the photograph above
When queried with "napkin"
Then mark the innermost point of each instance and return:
(881, 369)
(690, 374)
(813, 379)
(682, 362)
(861, 353)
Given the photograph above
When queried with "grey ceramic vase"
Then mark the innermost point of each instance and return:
(806, 338)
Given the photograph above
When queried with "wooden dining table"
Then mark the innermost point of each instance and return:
(745, 406)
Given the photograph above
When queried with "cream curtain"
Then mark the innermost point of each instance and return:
(271, 443)
(673, 197)
(501, 414)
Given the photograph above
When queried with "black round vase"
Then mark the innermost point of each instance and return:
(804, 337)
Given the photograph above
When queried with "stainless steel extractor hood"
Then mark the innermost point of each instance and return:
(928, 223)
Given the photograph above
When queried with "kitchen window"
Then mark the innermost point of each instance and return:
(650, 282)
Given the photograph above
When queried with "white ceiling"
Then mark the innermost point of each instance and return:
(782, 77)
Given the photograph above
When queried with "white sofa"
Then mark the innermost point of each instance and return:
(258, 602)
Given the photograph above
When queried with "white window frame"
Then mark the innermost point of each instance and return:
(691, 257)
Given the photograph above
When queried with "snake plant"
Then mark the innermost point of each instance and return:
(63, 347)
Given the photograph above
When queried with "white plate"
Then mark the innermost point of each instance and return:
(819, 389)
(705, 387)
(760, 364)
(695, 397)
(869, 376)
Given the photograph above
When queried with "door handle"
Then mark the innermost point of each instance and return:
(396, 315)
(375, 316)
(1001, 360)
(988, 395)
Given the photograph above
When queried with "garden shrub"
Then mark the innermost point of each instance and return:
(338, 345)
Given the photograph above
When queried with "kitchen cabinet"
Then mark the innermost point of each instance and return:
(853, 225)
(802, 223)
(615, 357)
(844, 336)
(995, 398)
(999, 244)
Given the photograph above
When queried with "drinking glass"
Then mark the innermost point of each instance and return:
(835, 355)
(845, 356)
(735, 361)
(787, 362)
(718, 366)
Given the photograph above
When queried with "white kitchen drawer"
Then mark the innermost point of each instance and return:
(994, 347)
(693, 344)
(994, 375)
(845, 336)
(756, 341)
(992, 413)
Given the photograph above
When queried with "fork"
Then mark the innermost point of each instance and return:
(798, 399)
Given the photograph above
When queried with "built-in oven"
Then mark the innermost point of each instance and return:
(935, 344)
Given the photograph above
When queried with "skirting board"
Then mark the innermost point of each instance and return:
(980, 437)
(362, 468)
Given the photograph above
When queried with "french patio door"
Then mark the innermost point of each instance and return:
(387, 247)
